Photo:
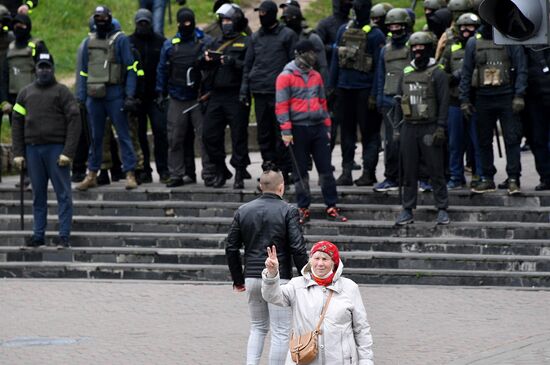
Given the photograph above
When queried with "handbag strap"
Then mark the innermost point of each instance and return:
(318, 329)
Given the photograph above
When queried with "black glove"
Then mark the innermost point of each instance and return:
(439, 137)
(244, 99)
(131, 104)
(160, 101)
(467, 110)
(455, 77)
(228, 60)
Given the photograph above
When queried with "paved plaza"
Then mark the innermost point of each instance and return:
(143, 322)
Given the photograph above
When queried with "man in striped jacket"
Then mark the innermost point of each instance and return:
(301, 109)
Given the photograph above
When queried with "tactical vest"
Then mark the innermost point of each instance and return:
(21, 65)
(456, 61)
(103, 68)
(181, 63)
(395, 60)
(352, 50)
(419, 103)
(492, 65)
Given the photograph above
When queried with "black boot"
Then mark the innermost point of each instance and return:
(103, 178)
(219, 180)
(345, 179)
(239, 179)
(366, 179)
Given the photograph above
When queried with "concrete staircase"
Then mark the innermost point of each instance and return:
(178, 234)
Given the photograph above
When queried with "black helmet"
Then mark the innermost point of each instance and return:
(424, 38)
(468, 19)
(233, 12)
(398, 16)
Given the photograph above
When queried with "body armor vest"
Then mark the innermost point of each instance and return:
(395, 60)
(419, 103)
(352, 50)
(21, 66)
(456, 61)
(103, 68)
(182, 61)
(492, 65)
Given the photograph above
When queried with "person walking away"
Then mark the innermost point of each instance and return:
(264, 222)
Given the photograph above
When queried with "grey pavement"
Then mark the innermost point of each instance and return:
(141, 322)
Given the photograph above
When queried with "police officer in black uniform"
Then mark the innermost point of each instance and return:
(224, 61)
(424, 91)
(498, 74)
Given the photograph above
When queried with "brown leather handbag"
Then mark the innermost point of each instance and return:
(304, 348)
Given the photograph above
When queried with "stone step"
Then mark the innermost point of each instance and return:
(517, 231)
(227, 209)
(351, 259)
(346, 195)
(47, 269)
(499, 246)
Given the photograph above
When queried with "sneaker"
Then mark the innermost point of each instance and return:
(442, 217)
(63, 242)
(513, 187)
(544, 185)
(333, 214)
(424, 186)
(386, 185)
(164, 178)
(36, 241)
(455, 184)
(475, 180)
(189, 179)
(503, 185)
(484, 186)
(404, 218)
(304, 215)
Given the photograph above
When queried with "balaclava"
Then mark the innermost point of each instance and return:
(143, 20)
(270, 17)
(22, 36)
(439, 21)
(292, 16)
(362, 11)
(103, 21)
(45, 70)
(422, 57)
(184, 15)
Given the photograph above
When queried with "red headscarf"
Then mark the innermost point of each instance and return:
(330, 249)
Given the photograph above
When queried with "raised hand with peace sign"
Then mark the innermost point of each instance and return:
(272, 263)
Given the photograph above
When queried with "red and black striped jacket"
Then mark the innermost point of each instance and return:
(300, 98)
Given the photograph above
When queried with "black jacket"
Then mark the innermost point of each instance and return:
(327, 29)
(149, 55)
(227, 76)
(267, 55)
(264, 222)
(46, 115)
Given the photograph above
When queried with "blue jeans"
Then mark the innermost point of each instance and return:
(42, 166)
(458, 130)
(157, 7)
(263, 317)
(99, 110)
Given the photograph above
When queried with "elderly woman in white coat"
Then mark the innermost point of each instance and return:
(345, 332)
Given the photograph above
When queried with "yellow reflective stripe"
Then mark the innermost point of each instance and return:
(367, 28)
(141, 73)
(133, 67)
(82, 73)
(176, 40)
(20, 109)
(33, 47)
(30, 4)
(408, 69)
(456, 47)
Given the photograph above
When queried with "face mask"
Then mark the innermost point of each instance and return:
(268, 20)
(465, 35)
(294, 24)
(422, 58)
(362, 12)
(21, 34)
(44, 76)
(306, 60)
(399, 34)
(228, 29)
(103, 27)
(186, 31)
(346, 8)
(144, 29)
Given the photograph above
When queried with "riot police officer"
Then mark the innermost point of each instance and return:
(223, 62)
(352, 75)
(424, 91)
(394, 57)
(498, 74)
(6, 37)
(457, 8)
(107, 85)
(438, 17)
(459, 128)
(378, 16)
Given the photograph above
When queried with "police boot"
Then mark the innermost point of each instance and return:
(239, 179)
(131, 182)
(366, 179)
(345, 179)
(103, 178)
(219, 180)
(90, 181)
